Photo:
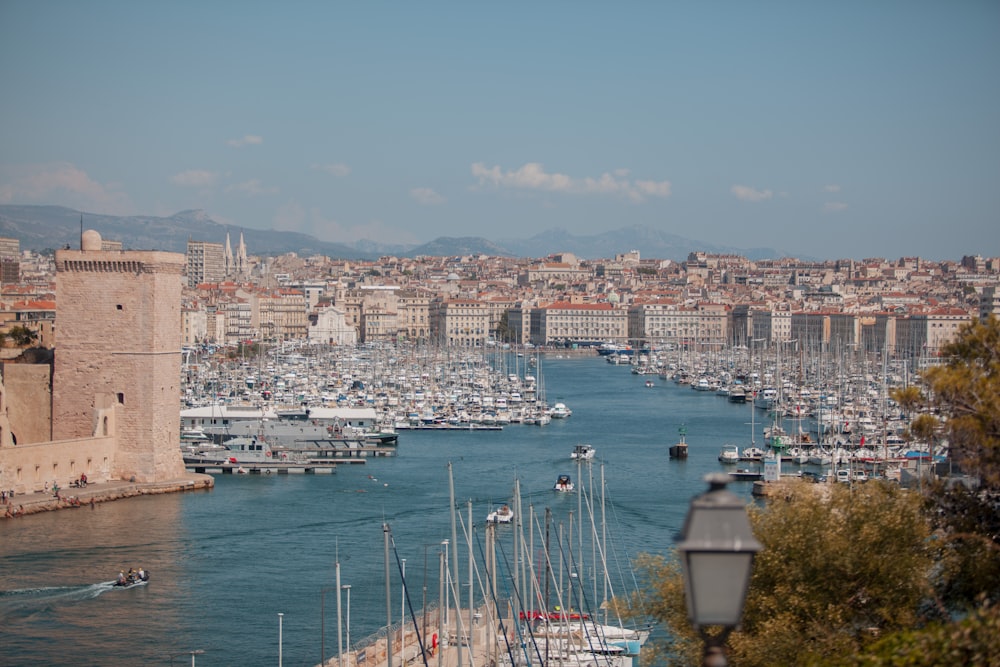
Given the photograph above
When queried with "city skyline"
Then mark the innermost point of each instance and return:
(845, 130)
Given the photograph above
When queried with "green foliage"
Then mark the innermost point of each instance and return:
(840, 567)
(21, 335)
(503, 327)
(967, 388)
(971, 642)
(967, 540)
(663, 599)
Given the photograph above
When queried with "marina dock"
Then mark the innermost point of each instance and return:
(278, 468)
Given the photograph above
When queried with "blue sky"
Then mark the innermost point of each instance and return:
(835, 129)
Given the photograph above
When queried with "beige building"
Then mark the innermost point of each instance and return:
(562, 323)
(460, 322)
(414, 319)
(667, 322)
(922, 334)
(281, 314)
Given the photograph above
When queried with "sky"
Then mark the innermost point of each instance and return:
(845, 129)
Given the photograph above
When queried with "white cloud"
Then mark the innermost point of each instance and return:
(532, 176)
(246, 140)
(426, 196)
(195, 178)
(746, 193)
(831, 188)
(61, 183)
(339, 169)
(252, 188)
(834, 206)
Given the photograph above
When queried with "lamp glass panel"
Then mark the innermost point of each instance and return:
(718, 583)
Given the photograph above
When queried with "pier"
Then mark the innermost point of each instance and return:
(276, 468)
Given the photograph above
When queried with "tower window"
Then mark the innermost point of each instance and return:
(119, 306)
(121, 398)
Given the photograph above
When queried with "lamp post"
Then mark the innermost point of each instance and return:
(347, 587)
(191, 653)
(322, 623)
(716, 548)
(402, 615)
(281, 618)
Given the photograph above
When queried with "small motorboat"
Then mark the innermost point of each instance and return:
(133, 578)
(564, 483)
(503, 515)
(729, 454)
(583, 453)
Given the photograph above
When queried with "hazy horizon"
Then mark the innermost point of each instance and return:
(843, 130)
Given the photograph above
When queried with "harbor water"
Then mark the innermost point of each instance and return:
(224, 563)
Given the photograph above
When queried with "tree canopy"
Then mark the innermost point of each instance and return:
(840, 567)
(966, 388)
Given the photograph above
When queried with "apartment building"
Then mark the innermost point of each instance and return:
(771, 326)
(281, 314)
(206, 263)
(460, 322)
(922, 334)
(413, 309)
(564, 323)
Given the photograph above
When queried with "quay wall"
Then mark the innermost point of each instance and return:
(34, 467)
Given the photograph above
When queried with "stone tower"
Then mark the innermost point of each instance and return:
(118, 355)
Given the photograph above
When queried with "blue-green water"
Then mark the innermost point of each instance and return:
(225, 562)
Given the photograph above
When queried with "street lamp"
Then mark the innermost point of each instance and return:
(716, 548)
(191, 653)
(281, 619)
(347, 587)
(322, 623)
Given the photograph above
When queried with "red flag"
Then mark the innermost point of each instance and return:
(862, 441)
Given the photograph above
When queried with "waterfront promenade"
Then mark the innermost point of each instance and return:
(92, 494)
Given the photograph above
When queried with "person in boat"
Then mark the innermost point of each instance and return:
(142, 574)
(121, 577)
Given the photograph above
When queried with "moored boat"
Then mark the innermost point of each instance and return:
(729, 454)
(583, 453)
(560, 411)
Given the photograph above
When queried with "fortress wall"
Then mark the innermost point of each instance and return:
(27, 397)
(28, 468)
(118, 314)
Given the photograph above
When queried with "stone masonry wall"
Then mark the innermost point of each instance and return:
(27, 402)
(118, 315)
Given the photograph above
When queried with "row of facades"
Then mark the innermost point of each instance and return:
(903, 307)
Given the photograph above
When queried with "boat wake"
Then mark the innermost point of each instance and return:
(58, 593)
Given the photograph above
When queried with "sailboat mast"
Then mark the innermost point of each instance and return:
(472, 611)
(454, 565)
(388, 597)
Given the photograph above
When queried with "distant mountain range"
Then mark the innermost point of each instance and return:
(50, 227)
